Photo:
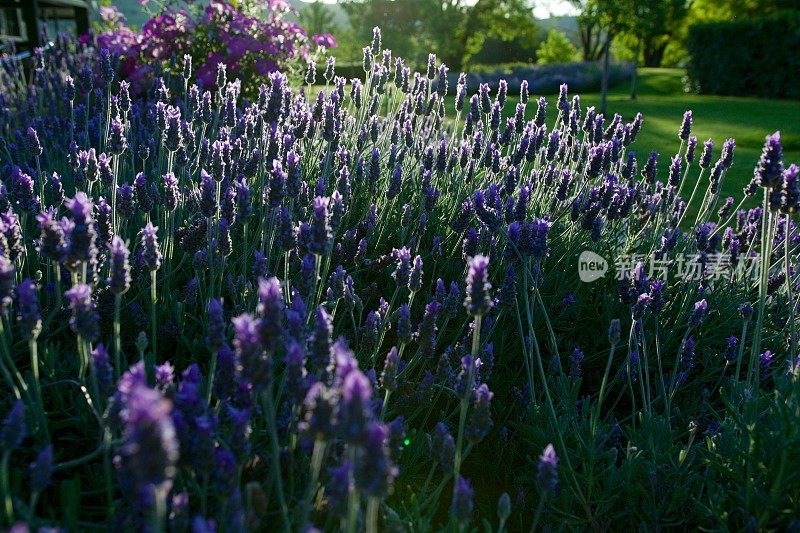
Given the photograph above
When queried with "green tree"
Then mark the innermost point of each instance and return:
(719, 10)
(653, 24)
(557, 48)
(590, 30)
(317, 18)
(455, 30)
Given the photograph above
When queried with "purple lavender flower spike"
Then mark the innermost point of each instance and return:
(389, 374)
(790, 190)
(374, 469)
(478, 300)
(480, 422)
(699, 313)
(81, 238)
(34, 146)
(117, 142)
(14, 429)
(354, 410)
(547, 474)
(41, 469)
(29, 316)
(146, 460)
(686, 126)
(462, 505)
(770, 164)
(402, 272)
(85, 318)
(120, 271)
(321, 231)
(102, 370)
(254, 367)
(151, 254)
(575, 365)
(215, 337)
(319, 422)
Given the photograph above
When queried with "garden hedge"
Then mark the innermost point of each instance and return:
(749, 57)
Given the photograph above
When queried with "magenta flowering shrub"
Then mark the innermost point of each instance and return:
(251, 41)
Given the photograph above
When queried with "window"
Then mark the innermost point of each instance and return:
(12, 27)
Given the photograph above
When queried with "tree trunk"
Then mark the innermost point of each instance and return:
(634, 74)
(590, 40)
(654, 54)
(604, 79)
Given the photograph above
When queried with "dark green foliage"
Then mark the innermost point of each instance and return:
(747, 57)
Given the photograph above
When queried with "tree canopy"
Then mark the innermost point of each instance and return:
(457, 30)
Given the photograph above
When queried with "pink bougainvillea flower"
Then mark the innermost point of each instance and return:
(325, 40)
(111, 15)
(213, 32)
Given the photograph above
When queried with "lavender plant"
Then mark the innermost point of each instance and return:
(347, 309)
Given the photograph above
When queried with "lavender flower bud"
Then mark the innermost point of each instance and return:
(54, 189)
(699, 313)
(150, 253)
(14, 429)
(691, 146)
(125, 200)
(478, 300)
(253, 365)
(686, 126)
(102, 370)
(480, 422)
(149, 452)
(34, 146)
(462, 505)
(85, 318)
(117, 142)
(415, 277)
(547, 473)
(770, 164)
(354, 405)
(402, 271)
(389, 374)
(705, 157)
(29, 316)
(41, 469)
(321, 231)
(374, 469)
(319, 422)
(575, 365)
(172, 194)
(727, 153)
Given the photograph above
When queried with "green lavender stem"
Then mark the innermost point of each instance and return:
(462, 417)
(373, 506)
(37, 388)
(269, 411)
(153, 329)
(117, 336)
(8, 506)
(317, 456)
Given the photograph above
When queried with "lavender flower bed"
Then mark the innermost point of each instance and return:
(546, 79)
(350, 313)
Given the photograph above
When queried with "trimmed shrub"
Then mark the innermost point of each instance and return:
(749, 57)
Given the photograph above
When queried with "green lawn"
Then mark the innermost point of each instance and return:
(662, 102)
